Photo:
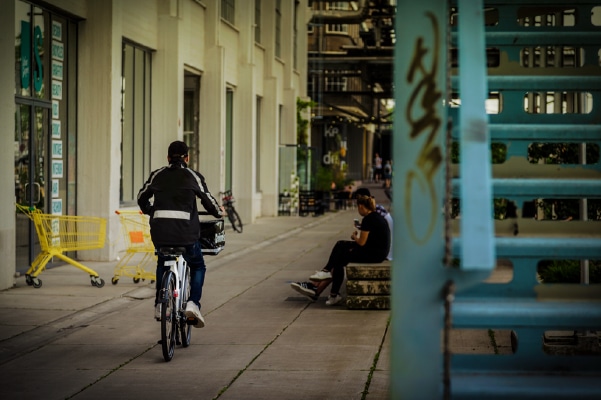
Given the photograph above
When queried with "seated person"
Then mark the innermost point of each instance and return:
(371, 245)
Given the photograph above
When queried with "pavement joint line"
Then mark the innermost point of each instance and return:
(42, 335)
(281, 268)
(375, 362)
(243, 370)
(101, 378)
(274, 239)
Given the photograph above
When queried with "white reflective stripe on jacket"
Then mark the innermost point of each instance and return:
(173, 214)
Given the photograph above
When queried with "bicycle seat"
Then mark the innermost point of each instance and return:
(172, 251)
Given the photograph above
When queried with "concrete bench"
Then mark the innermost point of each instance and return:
(368, 286)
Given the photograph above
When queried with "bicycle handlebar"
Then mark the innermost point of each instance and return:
(205, 213)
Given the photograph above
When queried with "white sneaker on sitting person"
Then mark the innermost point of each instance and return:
(333, 300)
(321, 276)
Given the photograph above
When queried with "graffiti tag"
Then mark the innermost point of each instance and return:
(423, 120)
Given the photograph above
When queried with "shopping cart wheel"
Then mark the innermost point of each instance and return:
(96, 281)
(136, 280)
(114, 280)
(37, 283)
(28, 280)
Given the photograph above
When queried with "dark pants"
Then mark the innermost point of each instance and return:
(344, 252)
(196, 262)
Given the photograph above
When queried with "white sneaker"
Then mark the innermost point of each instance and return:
(193, 312)
(321, 276)
(157, 312)
(333, 300)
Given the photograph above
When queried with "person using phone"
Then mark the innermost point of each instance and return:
(370, 244)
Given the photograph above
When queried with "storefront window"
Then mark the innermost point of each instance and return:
(135, 128)
(45, 130)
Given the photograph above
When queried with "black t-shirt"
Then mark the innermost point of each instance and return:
(378, 240)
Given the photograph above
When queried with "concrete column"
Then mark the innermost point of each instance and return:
(99, 122)
(270, 149)
(244, 151)
(212, 104)
(167, 87)
(7, 146)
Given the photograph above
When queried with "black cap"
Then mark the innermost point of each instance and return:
(361, 192)
(177, 149)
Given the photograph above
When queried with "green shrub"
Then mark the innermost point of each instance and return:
(567, 271)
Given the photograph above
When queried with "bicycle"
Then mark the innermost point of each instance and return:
(174, 288)
(232, 215)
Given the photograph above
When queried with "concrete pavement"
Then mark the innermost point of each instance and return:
(70, 340)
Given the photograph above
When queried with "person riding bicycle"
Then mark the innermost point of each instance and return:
(174, 220)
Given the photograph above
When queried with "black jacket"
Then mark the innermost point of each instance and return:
(174, 214)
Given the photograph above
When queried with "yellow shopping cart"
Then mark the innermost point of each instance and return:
(139, 250)
(59, 234)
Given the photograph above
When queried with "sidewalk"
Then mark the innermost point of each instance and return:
(263, 340)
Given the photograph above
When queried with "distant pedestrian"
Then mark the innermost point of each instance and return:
(387, 174)
(377, 168)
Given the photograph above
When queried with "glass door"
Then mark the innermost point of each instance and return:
(31, 138)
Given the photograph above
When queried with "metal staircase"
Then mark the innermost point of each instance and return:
(538, 65)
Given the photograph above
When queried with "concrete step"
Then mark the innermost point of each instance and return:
(368, 287)
(368, 302)
(365, 271)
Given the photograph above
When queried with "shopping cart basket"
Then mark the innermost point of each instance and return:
(139, 250)
(59, 234)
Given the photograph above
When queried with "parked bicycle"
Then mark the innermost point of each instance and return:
(227, 201)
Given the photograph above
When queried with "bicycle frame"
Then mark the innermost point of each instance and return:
(178, 267)
(174, 291)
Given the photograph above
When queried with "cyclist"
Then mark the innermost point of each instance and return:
(174, 220)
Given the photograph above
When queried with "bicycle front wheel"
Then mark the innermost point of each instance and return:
(234, 218)
(168, 318)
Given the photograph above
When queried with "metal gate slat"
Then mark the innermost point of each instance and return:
(544, 248)
(513, 386)
(527, 313)
(525, 83)
(568, 188)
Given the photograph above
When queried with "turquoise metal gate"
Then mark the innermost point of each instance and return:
(536, 66)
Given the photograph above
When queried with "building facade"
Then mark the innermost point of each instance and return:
(350, 60)
(95, 90)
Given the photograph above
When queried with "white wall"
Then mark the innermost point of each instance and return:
(183, 34)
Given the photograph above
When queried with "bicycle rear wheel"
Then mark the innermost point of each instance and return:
(168, 318)
(234, 218)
